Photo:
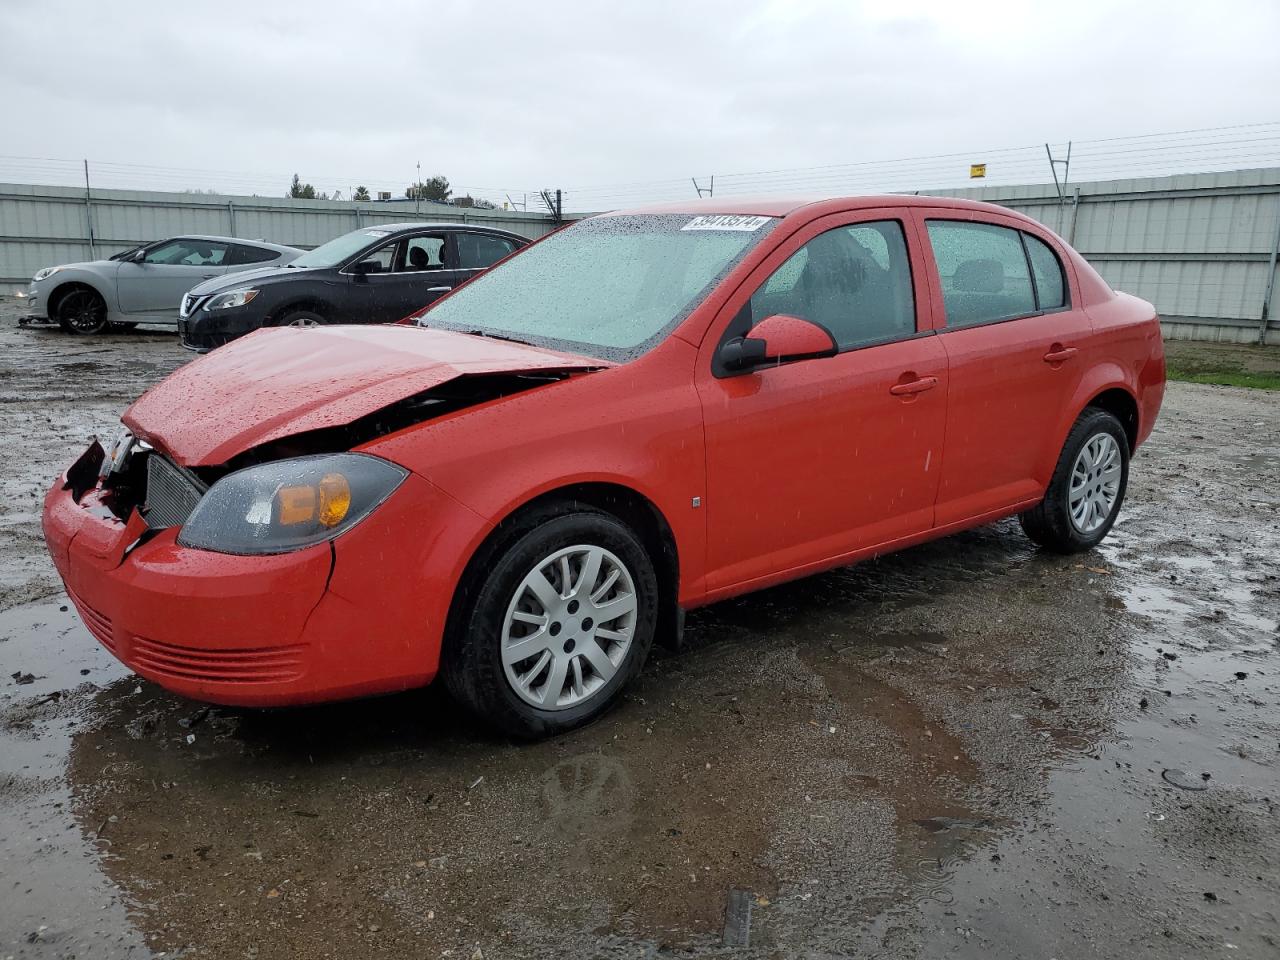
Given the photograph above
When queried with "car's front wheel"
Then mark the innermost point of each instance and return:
(81, 310)
(1087, 489)
(558, 618)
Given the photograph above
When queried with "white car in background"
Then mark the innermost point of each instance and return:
(145, 284)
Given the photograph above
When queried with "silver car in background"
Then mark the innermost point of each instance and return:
(145, 284)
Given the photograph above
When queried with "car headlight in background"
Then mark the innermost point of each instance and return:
(290, 504)
(234, 298)
(44, 273)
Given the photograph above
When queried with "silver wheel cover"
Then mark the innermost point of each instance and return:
(568, 627)
(1095, 483)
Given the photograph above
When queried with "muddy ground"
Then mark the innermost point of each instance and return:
(970, 749)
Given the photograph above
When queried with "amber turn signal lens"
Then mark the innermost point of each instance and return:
(335, 499)
(295, 505)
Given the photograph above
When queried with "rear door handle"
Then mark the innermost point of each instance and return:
(913, 386)
(438, 289)
(209, 276)
(1058, 353)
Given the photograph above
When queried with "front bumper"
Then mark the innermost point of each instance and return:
(252, 631)
(32, 300)
(201, 330)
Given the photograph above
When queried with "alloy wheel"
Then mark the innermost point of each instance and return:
(84, 311)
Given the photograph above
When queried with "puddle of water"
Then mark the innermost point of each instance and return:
(57, 903)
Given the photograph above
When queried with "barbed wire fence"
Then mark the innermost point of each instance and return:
(1207, 149)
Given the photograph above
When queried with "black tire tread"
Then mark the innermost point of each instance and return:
(1048, 523)
(473, 674)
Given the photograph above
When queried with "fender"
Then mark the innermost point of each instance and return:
(575, 432)
(1101, 377)
(83, 278)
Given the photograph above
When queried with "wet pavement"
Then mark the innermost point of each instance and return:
(969, 749)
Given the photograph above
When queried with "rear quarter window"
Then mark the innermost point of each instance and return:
(241, 255)
(1047, 269)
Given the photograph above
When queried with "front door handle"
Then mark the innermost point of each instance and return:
(1058, 353)
(209, 276)
(912, 387)
(438, 289)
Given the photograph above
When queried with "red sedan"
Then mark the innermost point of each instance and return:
(643, 413)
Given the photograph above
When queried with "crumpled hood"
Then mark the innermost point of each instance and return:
(288, 380)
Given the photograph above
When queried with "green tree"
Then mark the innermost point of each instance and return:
(436, 189)
(301, 191)
(362, 193)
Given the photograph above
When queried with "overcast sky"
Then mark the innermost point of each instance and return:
(519, 96)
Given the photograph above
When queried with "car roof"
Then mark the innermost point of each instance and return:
(240, 240)
(426, 225)
(782, 206)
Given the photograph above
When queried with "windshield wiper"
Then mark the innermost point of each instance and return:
(498, 336)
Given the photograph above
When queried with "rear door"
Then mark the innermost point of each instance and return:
(156, 285)
(813, 460)
(1014, 344)
(477, 252)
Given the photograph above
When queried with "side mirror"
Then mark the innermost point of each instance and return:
(778, 339)
(365, 267)
(139, 257)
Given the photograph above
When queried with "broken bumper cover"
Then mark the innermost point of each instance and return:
(247, 631)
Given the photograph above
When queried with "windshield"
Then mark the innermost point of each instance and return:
(610, 286)
(339, 248)
(130, 252)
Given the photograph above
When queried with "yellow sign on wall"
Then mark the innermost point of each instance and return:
(977, 171)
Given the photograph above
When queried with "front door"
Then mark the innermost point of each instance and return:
(401, 278)
(814, 460)
(156, 284)
(1014, 346)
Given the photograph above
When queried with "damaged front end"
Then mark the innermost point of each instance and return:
(135, 475)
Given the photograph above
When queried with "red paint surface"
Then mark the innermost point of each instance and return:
(798, 467)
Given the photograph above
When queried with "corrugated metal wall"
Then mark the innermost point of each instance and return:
(1201, 247)
(42, 226)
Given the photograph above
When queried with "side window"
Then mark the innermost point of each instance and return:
(983, 270)
(477, 250)
(240, 255)
(1047, 270)
(380, 260)
(424, 253)
(855, 281)
(188, 253)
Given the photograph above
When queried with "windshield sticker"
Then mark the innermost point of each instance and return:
(726, 221)
(377, 233)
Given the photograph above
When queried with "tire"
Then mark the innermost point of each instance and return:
(300, 318)
(81, 310)
(498, 608)
(1095, 460)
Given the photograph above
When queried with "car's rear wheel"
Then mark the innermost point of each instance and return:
(558, 618)
(1087, 489)
(301, 318)
(81, 310)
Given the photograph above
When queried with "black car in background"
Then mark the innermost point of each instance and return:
(376, 274)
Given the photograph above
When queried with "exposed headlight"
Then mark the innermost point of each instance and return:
(234, 298)
(118, 451)
(289, 504)
(44, 273)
